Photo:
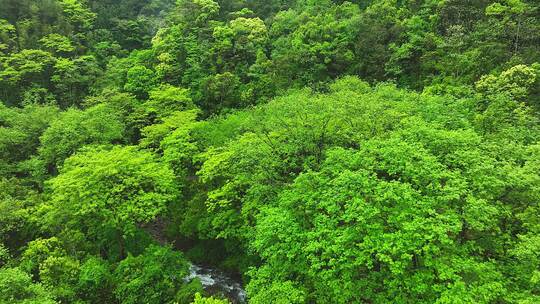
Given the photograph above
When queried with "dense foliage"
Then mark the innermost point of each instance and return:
(322, 151)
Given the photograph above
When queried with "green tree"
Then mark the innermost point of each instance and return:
(140, 80)
(74, 129)
(73, 79)
(195, 12)
(238, 43)
(101, 190)
(126, 106)
(60, 275)
(96, 283)
(23, 70)
(517, 82)
(57, 44)
(7, 37)
(178, 123)
(38, 251)
(221, 91)
(165, 100)
(17, 287)
(20, 130)
(314, 44)
(240, 48)
(16, 227)
(211, 300)
(78, 14)
(152, 277)
(421, 171)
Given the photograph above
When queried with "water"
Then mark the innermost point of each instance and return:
(216, 282)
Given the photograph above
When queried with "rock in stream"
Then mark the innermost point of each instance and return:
(216, 282)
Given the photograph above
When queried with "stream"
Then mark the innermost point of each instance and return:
(215, 282)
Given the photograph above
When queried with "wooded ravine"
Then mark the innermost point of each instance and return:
(269, 151)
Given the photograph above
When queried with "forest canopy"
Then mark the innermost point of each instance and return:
(376, 151)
